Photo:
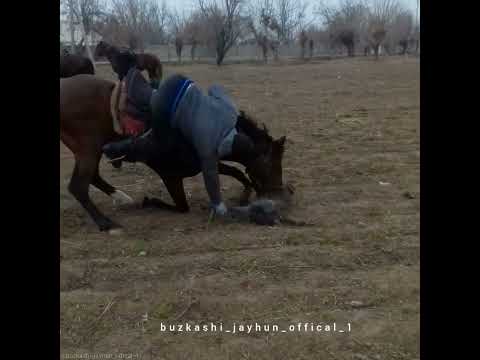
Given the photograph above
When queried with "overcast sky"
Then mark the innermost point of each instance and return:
(187, 5)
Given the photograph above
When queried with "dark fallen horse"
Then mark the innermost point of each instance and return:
(71, 65)
(86, 125)
(146, 61)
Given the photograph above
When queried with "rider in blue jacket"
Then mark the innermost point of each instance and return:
(206, 121)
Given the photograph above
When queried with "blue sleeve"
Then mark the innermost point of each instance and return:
(212, 179)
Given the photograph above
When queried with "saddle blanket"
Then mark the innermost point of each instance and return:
(123, 123)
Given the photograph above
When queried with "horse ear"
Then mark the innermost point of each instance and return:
(265, 127)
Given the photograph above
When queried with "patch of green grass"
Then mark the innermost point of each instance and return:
(163, 310)
(138, 246)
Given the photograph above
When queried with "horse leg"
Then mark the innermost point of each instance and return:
(232, 171)
(83, 174)
(118, 196)
(176, 190)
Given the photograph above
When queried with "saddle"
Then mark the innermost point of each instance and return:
(123, 122)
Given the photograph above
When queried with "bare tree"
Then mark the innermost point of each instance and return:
(156, 22)
(178, 24)
(318, 36)
(84, 13)
(402, 31)
(376, 35)
(225, 20)
(261, 40)
(345, 22)
(263, 26)
(311, 45)
(290, 15)
(67, 8)
(416, 36)
(141, 21)
(111, 30)
(381, 16)
(134, 22)
(303, 38)
(194, 32)
(179, 47)
(417, 28)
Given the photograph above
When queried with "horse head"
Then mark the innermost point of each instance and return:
(265, 171)
(121, 59)
(102, 50)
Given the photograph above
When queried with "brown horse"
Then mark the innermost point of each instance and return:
(86, 125)
(71, 65)
(146, 61)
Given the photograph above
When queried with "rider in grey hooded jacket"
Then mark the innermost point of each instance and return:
(207, 121)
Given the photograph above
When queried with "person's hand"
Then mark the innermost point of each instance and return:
(220, 209)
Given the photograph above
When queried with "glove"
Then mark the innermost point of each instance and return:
(220, 209)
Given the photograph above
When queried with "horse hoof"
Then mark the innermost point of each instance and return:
(109, 226)
(115, 231)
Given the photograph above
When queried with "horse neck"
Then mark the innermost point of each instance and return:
(110, 52)
(251, 129)
(244, 163)
(259, 140)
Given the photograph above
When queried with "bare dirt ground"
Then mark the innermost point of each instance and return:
(353, 154)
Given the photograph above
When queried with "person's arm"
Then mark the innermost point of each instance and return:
(140, 91)
(212, 184)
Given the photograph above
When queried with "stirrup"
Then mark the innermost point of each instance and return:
(140, 147)
(144, 135)
(117, 162)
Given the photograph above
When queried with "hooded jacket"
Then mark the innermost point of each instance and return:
(207, 121)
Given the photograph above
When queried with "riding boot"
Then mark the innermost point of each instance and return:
(118, 150)
(132, 149)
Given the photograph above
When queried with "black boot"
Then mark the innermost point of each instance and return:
(118, 149)
(132, 149)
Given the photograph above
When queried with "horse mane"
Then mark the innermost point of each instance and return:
(113, 48)
(250, 127)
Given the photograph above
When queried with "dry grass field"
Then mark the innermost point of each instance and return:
(353, 154)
